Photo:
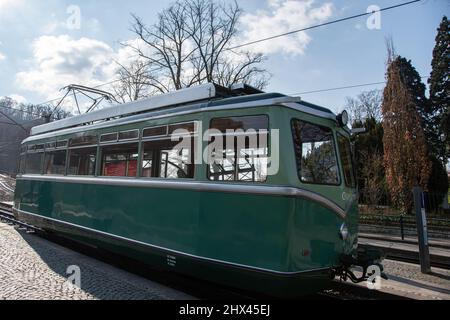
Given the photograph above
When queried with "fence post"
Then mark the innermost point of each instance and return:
(402, 231)
(424, 251)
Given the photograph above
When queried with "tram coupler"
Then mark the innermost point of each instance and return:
(367, 258)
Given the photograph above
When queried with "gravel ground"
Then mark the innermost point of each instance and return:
(439, 277)
(36, 269)
(406, 280)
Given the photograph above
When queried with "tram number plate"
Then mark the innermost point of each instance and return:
(172, 261)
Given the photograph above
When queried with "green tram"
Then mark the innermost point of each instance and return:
(114, 179)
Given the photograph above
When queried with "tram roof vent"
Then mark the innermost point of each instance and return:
(205, 92)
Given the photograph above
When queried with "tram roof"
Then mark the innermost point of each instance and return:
(203, 97)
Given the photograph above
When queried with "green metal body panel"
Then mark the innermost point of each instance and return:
(279, 234)
(258, 231)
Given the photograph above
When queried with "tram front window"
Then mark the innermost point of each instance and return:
(316, 153)
(346, 159)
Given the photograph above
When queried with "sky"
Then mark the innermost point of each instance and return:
(44, 46)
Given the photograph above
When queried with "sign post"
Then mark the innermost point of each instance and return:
(424, 251)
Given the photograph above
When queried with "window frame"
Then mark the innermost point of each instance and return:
(42, 154)
(337, 156)
(70, 146)
(65, 144)
(50, 151)
(101, 155)
(147, 138)
(156, 165)
(225, 134)
(166, 137)
(110, 141)
(22, 161)
(128, 139)
(69, 155)
(353, 172)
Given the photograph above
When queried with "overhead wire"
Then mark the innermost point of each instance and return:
(283, 35)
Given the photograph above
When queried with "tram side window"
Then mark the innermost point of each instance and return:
(120, 160)
(55, 162)
(82, 162)
(315, 153)
(347, 162)
(165, 159)
(244, 153)
(33, 163)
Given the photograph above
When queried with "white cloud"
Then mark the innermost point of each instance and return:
(7, 5)
(58, 61)
(281, 17)
(2, 57)
(55, 25)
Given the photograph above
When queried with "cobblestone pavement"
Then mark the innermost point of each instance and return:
(36, 269)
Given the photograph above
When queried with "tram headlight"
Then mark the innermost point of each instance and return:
(343, 118)
(344, 232)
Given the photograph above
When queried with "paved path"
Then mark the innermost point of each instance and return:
(36, 269)
(406, 280)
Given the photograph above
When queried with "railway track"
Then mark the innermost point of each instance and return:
(412, 256)
(200, 289)
(349, 291)
(7, 217)
(6, 187)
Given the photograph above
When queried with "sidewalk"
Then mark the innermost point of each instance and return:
(406, 280)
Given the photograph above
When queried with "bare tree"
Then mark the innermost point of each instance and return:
(135, 81)
(189, 46)
(366, 105)
(247, 71)
(16, 120)
(212, 26)
(166, 46)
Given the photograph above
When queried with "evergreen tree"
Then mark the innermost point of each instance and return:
(440, 93)
(416, 88)
(406, 155)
